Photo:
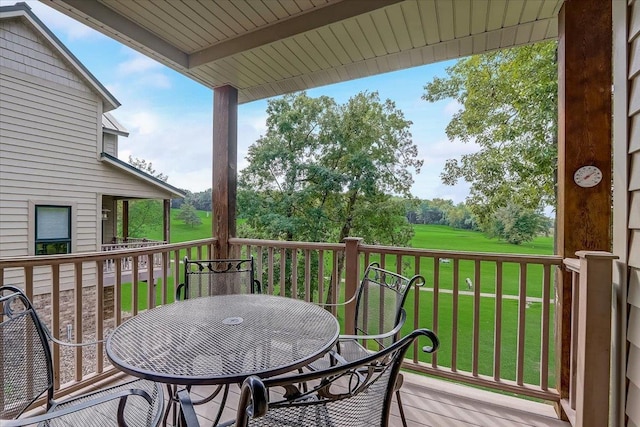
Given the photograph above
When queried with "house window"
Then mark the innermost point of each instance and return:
(53, 230)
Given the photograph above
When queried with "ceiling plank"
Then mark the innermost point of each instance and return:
(304, 22)
(124, 26)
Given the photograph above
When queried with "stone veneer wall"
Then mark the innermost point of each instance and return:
(42, 304)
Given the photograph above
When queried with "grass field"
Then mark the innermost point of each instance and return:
(445, 238)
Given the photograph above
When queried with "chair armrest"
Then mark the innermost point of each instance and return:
(394, 331)
(122, 395)
(188, 417)
(254, 400)
(338, 304)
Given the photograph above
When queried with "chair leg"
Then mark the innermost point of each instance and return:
(397, 386)
(401, 409)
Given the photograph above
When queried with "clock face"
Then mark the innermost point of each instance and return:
(587, 176)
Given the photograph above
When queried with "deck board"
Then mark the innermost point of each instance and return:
(435, 403)
(430, 402)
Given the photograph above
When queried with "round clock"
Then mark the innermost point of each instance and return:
(587, 176)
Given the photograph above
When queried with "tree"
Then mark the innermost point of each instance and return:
(323, 172)
(145, 216)
(517, 225)
(508, 102)
(147, 167)
(189, 215)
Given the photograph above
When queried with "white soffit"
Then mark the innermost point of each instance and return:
(270, 47)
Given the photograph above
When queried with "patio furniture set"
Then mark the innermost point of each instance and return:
(287, 356)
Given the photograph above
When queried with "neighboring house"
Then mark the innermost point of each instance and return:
(60, 177)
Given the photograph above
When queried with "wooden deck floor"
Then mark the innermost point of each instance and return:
(429, 402)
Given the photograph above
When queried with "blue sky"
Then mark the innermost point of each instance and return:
(169, 117)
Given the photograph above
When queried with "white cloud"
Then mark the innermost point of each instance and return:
(452, 107)
(137, 64)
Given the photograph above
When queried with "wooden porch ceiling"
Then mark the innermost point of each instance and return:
(266, 48)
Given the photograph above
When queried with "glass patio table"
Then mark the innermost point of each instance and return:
(222, 339)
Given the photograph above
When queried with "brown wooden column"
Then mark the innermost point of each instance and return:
(125, 220)
(225, 142)
(166, 220)
(584, 138)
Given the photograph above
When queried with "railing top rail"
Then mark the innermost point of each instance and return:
(572, 264)
(463, 255)
(287, 244)
(39, 260)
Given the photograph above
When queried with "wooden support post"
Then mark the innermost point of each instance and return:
(352, 268)
(125, 220)
(225, 142)
(594, 339)
(166, 221)
(584, 138)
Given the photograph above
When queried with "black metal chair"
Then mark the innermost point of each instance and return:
(27, 374)
(349, 394)
(379, 317)
(217, 277)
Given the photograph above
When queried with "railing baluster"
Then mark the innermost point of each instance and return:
(475, 358)
(151, 295)
(544, 326)
(294, 273)
(320, 276)
(454, 322)
(497, 326)
(283, 270)
(434, 313)
(575, 300)
(522, 313)
(99, 315)
(117, 292)
(78, 320)
(416, 305)
(270, 252)
(307, 275)
(55, 322)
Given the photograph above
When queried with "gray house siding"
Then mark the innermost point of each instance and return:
(628, 195)
(50, 144)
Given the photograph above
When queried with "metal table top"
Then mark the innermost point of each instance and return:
(222, 339)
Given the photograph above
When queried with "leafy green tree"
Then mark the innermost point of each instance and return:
(189, 215)
(145, 216)
(323, 172)
(517, 225)
(508, 106)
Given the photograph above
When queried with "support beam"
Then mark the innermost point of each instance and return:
(225, 148)
(584, 138)
(166, 220)
(316, 18)
(125, 220)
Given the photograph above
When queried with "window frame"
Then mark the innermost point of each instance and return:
(68, 241)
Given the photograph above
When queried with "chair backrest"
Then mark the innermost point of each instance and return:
(381, 295)
(27, 369)
(355, 394)
(218, 277)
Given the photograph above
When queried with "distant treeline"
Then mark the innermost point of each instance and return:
(440, 211)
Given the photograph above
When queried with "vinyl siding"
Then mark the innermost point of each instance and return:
(110, 144)
(633, 254)
(50, 140)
